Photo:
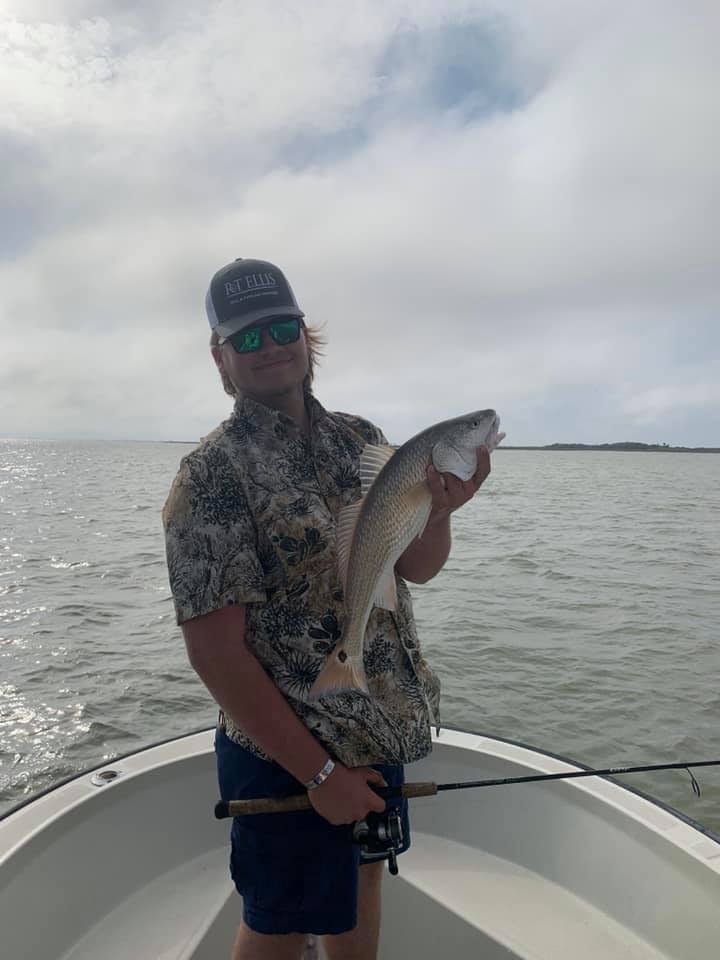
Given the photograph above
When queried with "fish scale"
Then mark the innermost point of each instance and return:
(372, 554)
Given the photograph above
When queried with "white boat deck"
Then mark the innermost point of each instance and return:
(575, 869)
(189, 913)
(450, 899)
(467, 903)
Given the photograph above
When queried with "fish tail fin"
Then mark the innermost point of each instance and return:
(338, 676)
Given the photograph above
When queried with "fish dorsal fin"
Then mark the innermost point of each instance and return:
(372, 460)
(346, 523)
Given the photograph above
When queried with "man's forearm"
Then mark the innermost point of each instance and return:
(245, 692)
(426, 555)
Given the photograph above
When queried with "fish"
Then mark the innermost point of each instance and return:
(393, 510)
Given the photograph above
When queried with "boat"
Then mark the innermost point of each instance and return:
(129, 860)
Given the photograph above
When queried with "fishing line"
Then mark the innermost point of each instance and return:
(695, 784)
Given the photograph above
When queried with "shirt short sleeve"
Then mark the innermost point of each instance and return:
(210, 538)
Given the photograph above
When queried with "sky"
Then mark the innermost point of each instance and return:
(481, 204)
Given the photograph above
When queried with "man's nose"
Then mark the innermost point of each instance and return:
(266, 341)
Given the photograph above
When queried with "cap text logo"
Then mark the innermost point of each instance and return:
(252, 281)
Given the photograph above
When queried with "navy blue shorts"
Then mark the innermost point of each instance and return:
(296, 872)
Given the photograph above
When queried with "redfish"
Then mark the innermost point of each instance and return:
(373, 533)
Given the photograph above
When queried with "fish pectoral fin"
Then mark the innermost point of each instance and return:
(386, 591)
(372, 460)
(345, 530)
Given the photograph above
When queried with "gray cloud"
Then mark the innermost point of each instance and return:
(513, 206)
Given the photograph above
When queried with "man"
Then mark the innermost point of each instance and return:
(250, 535)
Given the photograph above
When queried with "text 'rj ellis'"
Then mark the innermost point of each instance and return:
(253, 281)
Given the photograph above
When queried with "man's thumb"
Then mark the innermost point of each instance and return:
(375, 777)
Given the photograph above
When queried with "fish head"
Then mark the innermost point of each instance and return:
(455, 450)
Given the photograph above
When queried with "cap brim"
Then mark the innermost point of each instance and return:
(228, 327)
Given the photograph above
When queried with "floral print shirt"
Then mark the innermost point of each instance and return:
(250, 519)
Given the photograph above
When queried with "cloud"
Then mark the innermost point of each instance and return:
(512, 205)
(653, 406)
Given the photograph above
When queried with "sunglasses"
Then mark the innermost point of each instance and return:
(250, 339)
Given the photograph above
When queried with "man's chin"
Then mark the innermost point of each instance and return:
(276, 390)
(279, 381)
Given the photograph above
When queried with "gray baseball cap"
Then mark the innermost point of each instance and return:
(246, 291)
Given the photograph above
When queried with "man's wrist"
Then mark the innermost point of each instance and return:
(321, 776)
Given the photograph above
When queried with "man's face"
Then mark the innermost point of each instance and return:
(271, 371)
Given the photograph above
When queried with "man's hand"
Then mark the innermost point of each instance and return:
(426, 555)
(449, 493)
(345, 796)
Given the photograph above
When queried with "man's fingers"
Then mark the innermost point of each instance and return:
(375, 776)
(455, 488)
(436, 482)
(448, 491)
(482, 470)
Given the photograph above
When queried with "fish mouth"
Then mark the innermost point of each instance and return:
(488, 429)
(496, 435)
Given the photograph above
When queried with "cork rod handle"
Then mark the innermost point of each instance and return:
(244, 808)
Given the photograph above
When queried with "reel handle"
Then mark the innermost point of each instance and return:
(244, 808)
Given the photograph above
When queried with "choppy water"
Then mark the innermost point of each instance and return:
(579, 612)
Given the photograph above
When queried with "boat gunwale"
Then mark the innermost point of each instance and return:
(108, 764)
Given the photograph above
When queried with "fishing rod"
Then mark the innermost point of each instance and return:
(381, 834)
(242, 808)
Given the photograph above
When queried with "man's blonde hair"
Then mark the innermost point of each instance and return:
(315, 342)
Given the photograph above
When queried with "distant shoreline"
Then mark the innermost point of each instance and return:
(613, 447)
(618, 448)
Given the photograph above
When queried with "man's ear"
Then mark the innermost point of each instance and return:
(217, 357)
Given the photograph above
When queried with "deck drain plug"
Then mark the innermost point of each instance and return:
(105, 777)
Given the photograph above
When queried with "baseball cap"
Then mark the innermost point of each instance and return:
(246, 291)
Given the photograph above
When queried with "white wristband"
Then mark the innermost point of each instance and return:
(322, 776)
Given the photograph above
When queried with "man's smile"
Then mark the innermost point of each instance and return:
(273, 363)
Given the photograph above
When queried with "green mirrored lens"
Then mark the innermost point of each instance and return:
(282, 332)
(285, 331)
(252, 339)
(244, 341)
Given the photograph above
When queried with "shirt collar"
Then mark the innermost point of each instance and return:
(269, 419)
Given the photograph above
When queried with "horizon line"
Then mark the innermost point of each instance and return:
(629, 446)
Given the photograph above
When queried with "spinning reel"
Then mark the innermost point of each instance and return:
(380, 833)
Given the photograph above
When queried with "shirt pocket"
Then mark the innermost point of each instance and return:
(297, 531)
